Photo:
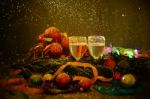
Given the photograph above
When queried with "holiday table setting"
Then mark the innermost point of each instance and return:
(66, 66)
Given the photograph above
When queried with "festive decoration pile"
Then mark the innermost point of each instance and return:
(50, 69)
(52, 43)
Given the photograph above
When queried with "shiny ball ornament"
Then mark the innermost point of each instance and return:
(47, 77)
(36, 80)
(54, 33)
(128, 80)
(85, 84)
(110, 63)
(123, 64)
(63, 79)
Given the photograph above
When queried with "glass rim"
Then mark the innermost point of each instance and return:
(77, 36)
(96, 36)
(93, 36)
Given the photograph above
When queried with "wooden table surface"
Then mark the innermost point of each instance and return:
(93, 94)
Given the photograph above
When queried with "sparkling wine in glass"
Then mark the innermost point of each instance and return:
(77, 46)
(96, 46)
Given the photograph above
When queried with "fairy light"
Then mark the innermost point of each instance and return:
(136, 53)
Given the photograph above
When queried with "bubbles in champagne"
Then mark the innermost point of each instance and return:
(77, 50)
(96, 49)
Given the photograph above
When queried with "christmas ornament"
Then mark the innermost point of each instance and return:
(124, 64)
(64, 40)
(85, 84)
(63, 79)
(54, 33)
(47, 77)
(65, 44)
(40, 38)
(128, 80)
(44, 40)
(117, 76)
(36, 80)
(110, 63)
(53, 50)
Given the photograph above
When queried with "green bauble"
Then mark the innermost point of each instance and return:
(36, 80)
(123, 64)
(128, 80)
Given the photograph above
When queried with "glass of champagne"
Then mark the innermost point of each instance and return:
(96, 45)
(77, 46)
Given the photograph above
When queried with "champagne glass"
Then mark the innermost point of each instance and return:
(96, 45)
(77, 46)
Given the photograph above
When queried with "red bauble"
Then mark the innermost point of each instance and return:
(65, 43)
(64, 40)
(63, 79)
(85, 84)
(53, 33)
(117, 76)
(40, 38)
(110, 63)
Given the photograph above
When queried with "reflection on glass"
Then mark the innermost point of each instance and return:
(96, 45)
(77, 46)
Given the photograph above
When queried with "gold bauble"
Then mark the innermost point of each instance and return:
(128, 79)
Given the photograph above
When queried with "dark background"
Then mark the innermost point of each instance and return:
(124, 23)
